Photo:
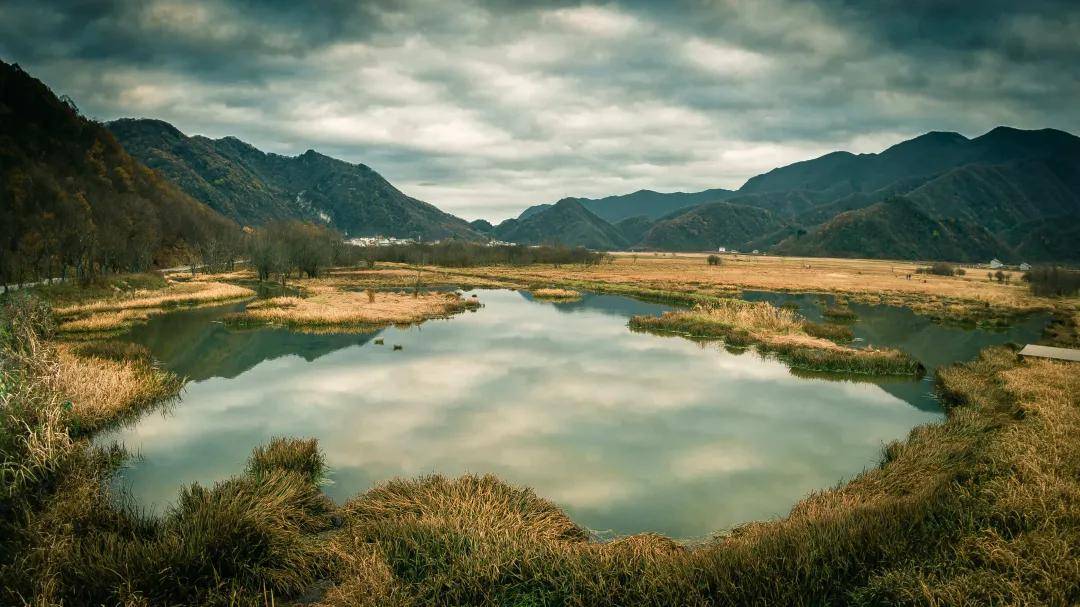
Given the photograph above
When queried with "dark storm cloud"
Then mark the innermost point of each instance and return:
(484, 107)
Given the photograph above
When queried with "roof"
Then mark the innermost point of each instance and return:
(1051, 352)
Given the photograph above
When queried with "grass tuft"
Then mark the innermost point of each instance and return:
(299, 456)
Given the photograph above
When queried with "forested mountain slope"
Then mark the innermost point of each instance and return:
(72, 198)
(566, 222)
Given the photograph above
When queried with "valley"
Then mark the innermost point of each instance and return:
(255, 372)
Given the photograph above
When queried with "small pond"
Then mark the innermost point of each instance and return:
(628, 432)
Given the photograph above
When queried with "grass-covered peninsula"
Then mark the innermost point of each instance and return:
(803, 345)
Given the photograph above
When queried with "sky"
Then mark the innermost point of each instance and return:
(483, 108)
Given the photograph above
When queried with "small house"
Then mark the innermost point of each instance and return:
(722, 250)
(1024, 267)
(995, 264)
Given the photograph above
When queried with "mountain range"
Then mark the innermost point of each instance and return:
(1010, 193)
(252, 187)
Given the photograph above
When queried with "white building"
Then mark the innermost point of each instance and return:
(995, 264)
(722, 250)
(1024, 267)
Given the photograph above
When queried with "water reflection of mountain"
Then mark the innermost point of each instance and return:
(192, 344)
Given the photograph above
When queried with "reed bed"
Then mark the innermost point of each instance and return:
(556, 294)
(175, 295)
(113, 314)
(780, 331)
(107, 383)
(330, 308)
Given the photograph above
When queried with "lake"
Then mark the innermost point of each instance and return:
(628, 432)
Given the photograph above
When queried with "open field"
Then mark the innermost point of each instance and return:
(326, 307)
(688, 277)
(780, 331)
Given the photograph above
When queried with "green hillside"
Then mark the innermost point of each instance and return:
(709, 226)
(635, 228)
(647, 203)
(566, 222)
(896, 229)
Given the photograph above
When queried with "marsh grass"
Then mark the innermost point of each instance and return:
(328, 308)
(687, 280)
(556, 294)
(112, 314)
(72, 292)
(977, 510)
(839, 311)
(782, 332)
(299, 456)
(833, 332)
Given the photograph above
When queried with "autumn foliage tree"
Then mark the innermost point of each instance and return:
(72, 201)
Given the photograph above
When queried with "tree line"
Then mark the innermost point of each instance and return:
(279, 248)
(463, 254)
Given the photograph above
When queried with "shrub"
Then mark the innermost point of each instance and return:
(939, 268)
(1053, 281)
(714, 260)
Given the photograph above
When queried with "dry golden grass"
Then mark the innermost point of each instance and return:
(776, 330)
(557, 294)
(115, 313)
(102, 390)
(870, 281)
(176, 294)
(105, 322)
(978, 510)
(328, 307)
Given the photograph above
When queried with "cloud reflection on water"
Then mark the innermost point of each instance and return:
(628, 431)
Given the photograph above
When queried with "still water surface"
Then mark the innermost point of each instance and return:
(628, 432)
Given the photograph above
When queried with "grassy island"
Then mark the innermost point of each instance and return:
(782, 332)
(329, 308)
(556, 294)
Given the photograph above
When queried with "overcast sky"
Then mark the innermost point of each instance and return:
(483, 108)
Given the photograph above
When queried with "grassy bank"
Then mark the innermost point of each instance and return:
(329, 308)
(781, 332)
(980, 509)
(93, 314)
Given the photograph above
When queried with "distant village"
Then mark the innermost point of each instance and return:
(390, 241)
